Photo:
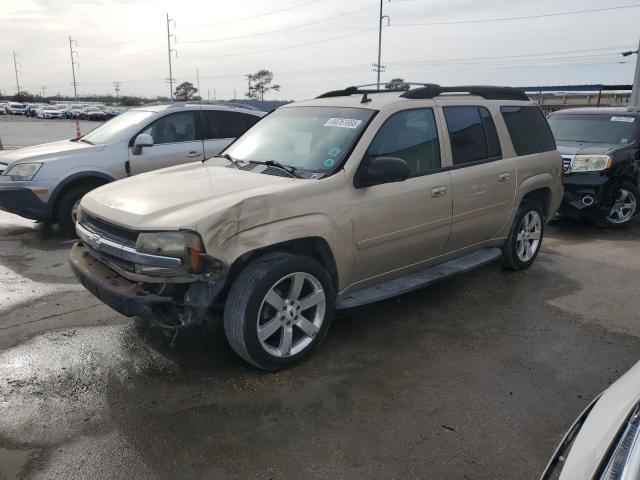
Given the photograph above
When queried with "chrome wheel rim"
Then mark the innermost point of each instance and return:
(291, 314)
(529, 233)
(624, 207)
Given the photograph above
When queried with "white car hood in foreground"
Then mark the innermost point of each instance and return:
(602, 425)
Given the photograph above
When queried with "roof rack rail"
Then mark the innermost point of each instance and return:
(486, 92)
(432, 90)
(363, 89)
(214, 102)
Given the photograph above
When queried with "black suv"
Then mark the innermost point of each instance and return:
(600, 148)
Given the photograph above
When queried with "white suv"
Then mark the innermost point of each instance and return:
(46, 182)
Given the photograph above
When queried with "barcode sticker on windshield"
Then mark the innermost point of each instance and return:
(623, 119)
(343, 123)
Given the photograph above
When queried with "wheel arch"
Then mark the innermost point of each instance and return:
(540, 189)
(94, 178)
(315, 247)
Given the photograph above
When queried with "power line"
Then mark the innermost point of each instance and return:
(524, 17)
(255, 16)
(287, 47)
(285, 29)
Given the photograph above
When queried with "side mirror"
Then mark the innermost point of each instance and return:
(141, 141)
(383, 170)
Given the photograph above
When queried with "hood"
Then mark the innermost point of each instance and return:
(583, 148)
(48, 152)
(601, 426)
(180, 197)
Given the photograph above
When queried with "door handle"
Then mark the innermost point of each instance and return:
(504, 177)
(193, 154)
(438, 192)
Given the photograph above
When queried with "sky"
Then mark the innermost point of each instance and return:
(313, 46)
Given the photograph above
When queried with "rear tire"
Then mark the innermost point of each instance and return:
(278, 310)
(525, 237)
(67, 206)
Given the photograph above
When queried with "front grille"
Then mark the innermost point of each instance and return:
(110, 260)
(110, 232)
(566, 165)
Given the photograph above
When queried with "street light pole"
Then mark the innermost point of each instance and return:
(635, 92)
(378, 67)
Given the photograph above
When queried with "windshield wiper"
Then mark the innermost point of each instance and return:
(86, 141)
(272, 163)
(226, 156)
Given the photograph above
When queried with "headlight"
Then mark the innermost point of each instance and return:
(624, 463)
(590, 163)
(186, 246)
(23, 171)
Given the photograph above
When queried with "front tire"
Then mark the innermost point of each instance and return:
(67, 207)
(624, 209)
(525, 237)
(278, 310)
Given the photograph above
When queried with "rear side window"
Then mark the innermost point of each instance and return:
(411, 135)
(473, 134)
(218, 124)
(528, 129)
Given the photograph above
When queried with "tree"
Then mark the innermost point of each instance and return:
(129, 101)
(260, 83)
(185, 91)
(397, 84)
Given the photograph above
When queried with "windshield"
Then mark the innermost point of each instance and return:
(48, 108)
(307, 138)
(118, 128)
(599, 128)
(93, 109)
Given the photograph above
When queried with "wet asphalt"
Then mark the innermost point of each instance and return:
(476, 377)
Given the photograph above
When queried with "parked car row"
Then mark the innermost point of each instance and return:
(61, 110)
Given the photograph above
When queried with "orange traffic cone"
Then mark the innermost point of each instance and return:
(78, 134)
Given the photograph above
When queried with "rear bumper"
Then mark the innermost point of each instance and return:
(22, 201)
(123, 296)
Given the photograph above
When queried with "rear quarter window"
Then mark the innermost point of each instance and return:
(529, 130)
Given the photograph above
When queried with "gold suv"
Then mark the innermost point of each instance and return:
(350, 198)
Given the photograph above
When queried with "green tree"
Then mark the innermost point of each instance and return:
(260, 83)
(185, 91)
(397, 84)
(129, 101)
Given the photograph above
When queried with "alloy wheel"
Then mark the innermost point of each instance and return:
(624, 207)
(528, 239)
(291, 314)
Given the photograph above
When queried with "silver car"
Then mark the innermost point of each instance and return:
(46, 182)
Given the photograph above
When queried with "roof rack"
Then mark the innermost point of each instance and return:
(432, 90)
(214, 102)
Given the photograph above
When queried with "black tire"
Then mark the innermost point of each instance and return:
(65, 204)
(510, 257)
(243, 304)
(603, 220)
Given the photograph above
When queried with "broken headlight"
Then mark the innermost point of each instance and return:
(187, 246)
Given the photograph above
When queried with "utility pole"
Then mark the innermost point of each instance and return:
(378, 67)
(44, 92)
(15, 67)
(198, 82)
(116, 85)
(635, 91)
(169, 35)
(249, 78)
(74, 62)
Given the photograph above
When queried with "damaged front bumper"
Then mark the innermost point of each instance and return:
(186, 306)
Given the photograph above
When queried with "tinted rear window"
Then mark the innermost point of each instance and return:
(528, 129)
(473, 134)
